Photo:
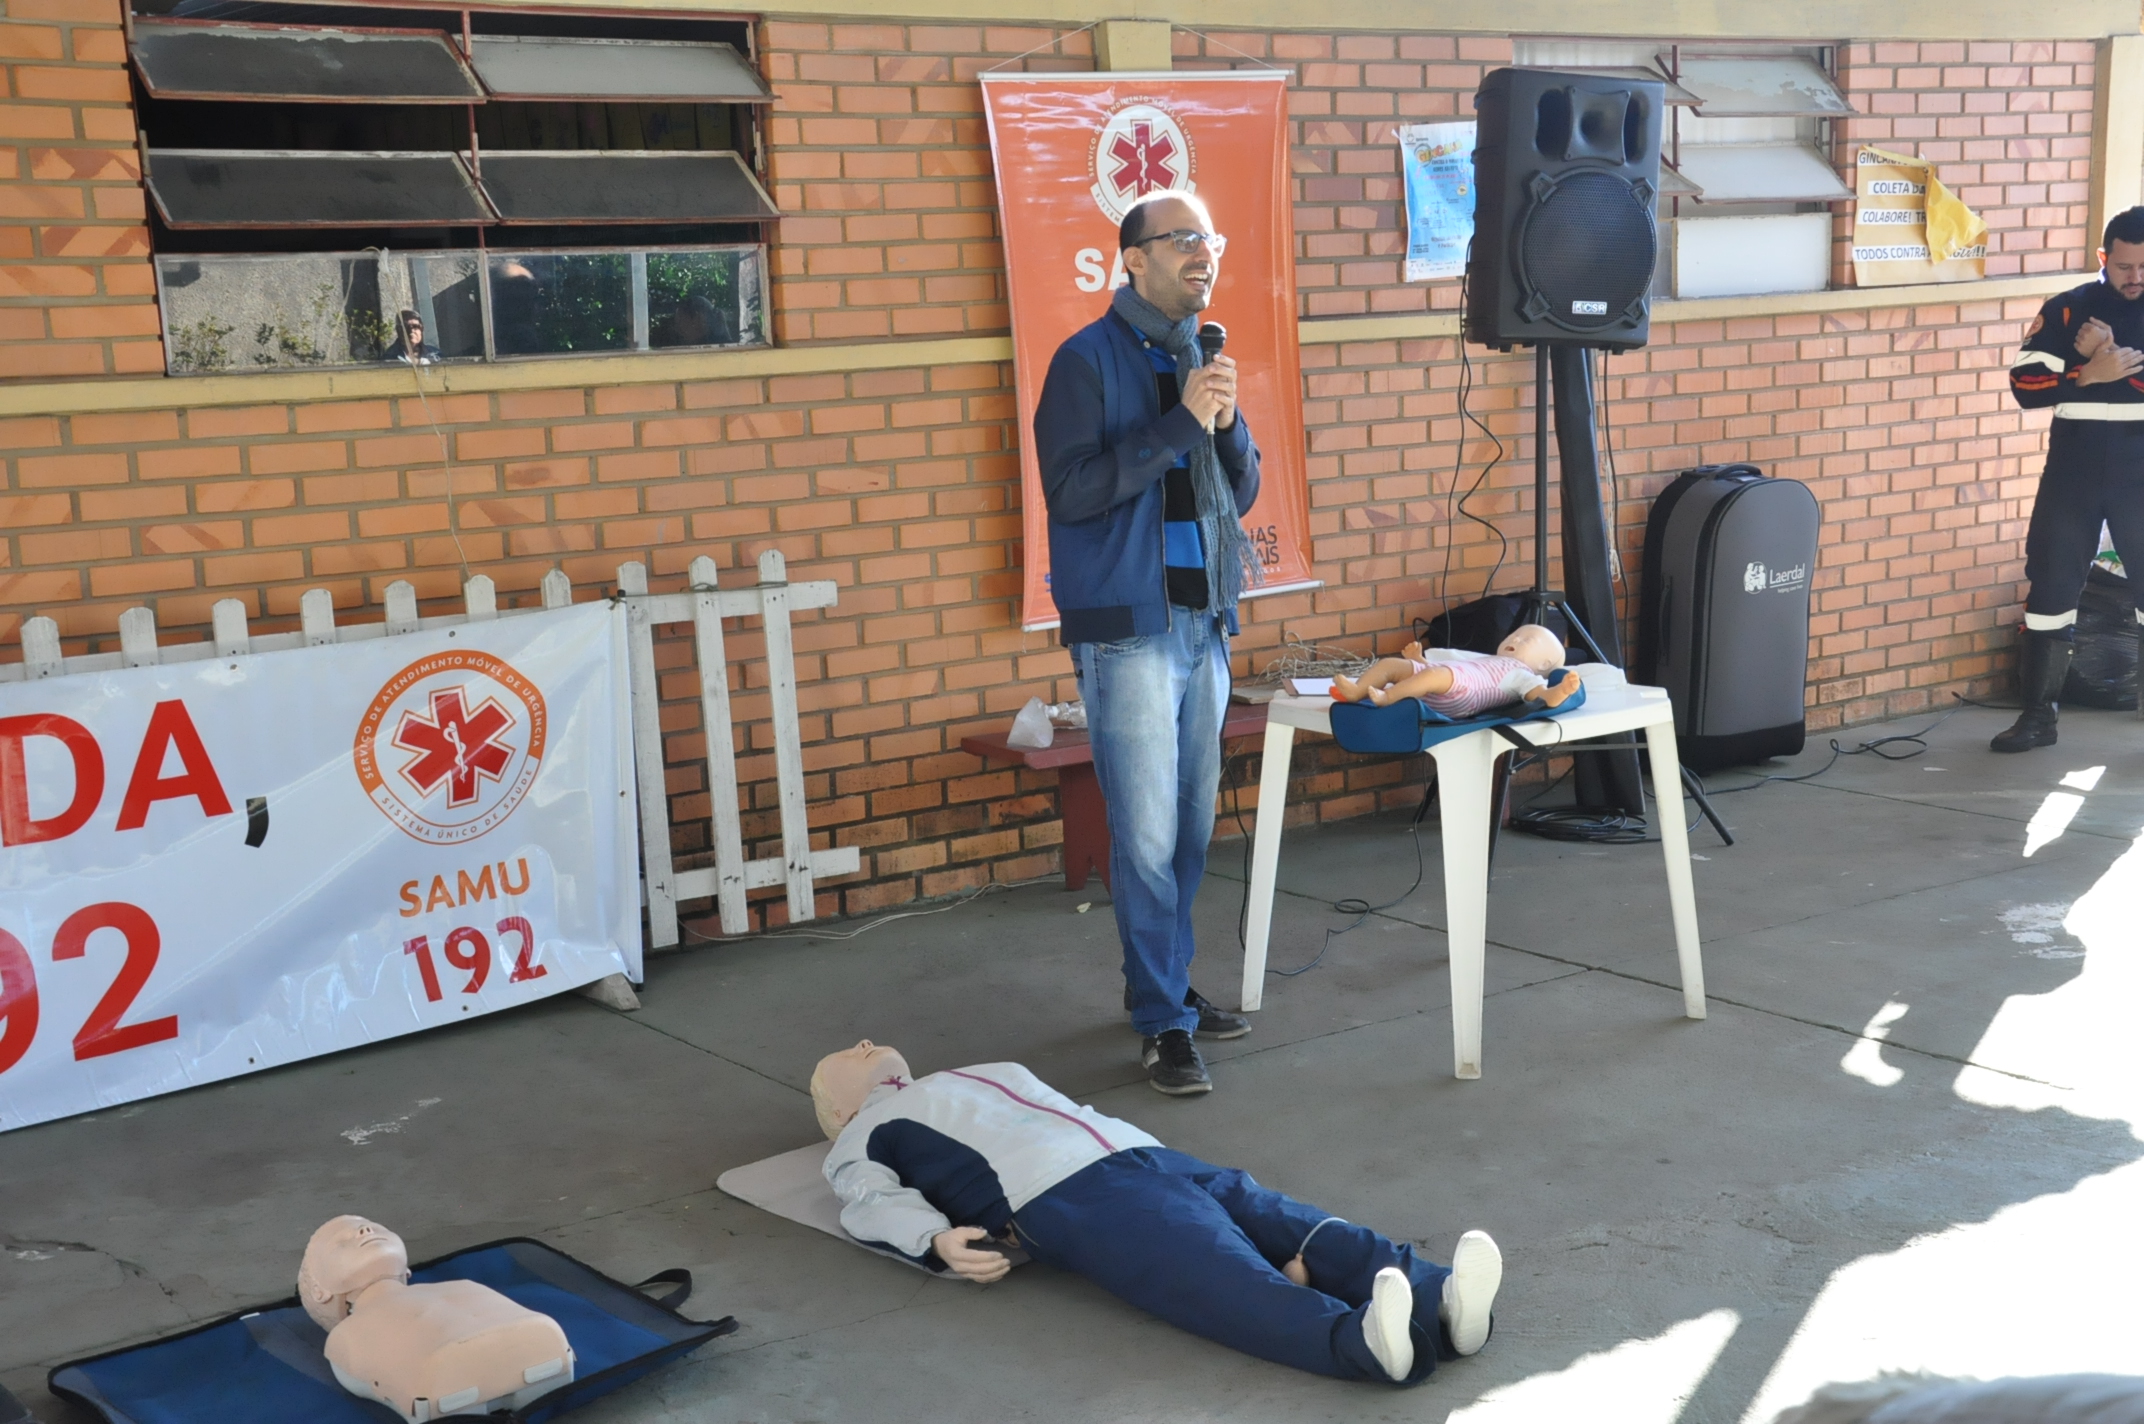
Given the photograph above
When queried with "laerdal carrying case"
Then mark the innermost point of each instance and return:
(1723, 613)
(267, 1366)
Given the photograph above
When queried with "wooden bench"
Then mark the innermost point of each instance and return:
(1079, 793)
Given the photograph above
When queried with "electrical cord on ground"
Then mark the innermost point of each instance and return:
(955, 903)
(1873, 747)
(1593, 825)
(1346, 905)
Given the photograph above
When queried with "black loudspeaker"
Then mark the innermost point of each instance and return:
(1566, 170)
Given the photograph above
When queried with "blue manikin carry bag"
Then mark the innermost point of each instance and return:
(267, 1366)
(1409, 726)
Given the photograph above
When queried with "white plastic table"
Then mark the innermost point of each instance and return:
(1465, 773)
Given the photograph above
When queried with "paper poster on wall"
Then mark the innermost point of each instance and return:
(214, 867)
(1438, 163)
(1071, 151)
(1909, 228)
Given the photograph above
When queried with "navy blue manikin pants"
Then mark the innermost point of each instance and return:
(1202, 1246)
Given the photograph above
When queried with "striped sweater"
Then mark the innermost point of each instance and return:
(1479, 682)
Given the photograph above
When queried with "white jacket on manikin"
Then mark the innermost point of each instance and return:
(965, 1147)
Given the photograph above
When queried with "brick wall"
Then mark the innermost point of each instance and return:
(1350, 95)
(895, 484)
(2008, 126)
(879, 153)
(77, 297)
(901, 485)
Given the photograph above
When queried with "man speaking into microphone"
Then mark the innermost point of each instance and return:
(1148, 469)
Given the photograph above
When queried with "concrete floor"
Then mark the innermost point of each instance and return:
(1907, 1136)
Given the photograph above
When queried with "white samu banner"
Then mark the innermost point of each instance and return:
(214, 867)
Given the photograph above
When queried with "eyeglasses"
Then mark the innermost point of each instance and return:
(1186, 239)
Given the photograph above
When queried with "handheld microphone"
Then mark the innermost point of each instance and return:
(1212, 337)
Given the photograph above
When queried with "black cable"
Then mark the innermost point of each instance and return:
(1456, 503)
(1615, 491)
(1363, 909)
(1873, 747)
(1594, 825)
(1346, 905)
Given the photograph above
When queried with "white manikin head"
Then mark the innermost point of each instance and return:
(343, 1258)
(1534, 646)
(843, 1080)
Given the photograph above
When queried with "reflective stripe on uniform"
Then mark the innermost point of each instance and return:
(2099, 410)
(2049, 622)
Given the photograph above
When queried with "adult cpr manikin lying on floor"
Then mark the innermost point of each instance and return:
(424, 1351)
(937, 1167)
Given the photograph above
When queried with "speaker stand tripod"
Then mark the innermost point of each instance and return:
(1541, 600)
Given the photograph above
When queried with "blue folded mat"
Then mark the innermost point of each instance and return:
(1408, 725)
(267, 1366)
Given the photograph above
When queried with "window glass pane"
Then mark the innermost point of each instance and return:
(246, 62)
(440, 292)
(1762, 173)
(544, 303)
(1774, 84)
(292, 311)
(704, 298)
(587, 186)
(213, 188)
(1731, 257)
(529, 67)
(312, 309)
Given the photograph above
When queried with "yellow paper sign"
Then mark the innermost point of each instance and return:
(1909, 228)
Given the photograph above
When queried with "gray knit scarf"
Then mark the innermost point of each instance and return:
(1230, 560)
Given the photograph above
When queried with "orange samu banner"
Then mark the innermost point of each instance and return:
(1072, 151)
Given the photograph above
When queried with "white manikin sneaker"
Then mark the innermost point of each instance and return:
(1470, 1291)
(1387, 1324)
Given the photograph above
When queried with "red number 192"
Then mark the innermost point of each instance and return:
(467, 950)
(102, 1033)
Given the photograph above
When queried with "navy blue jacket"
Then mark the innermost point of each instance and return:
(2047, 366)
(966, 1147)
(1104, 446)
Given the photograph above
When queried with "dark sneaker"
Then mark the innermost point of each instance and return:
(1214, 1021)
(1173, 1065)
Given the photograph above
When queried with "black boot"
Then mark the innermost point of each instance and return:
(2043, 665)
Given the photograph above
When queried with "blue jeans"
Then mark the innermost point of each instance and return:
(1154, 709)
(1201, 1246)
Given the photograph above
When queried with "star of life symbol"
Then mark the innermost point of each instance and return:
(1141, 148)
(455, 745)
(451, 745)
(1753, 579)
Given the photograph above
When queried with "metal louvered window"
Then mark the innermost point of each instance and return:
(340, 184)
(1746, 172)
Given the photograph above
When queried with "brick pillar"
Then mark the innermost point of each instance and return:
(77, 294)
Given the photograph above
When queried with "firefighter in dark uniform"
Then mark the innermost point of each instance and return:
(2084, 356)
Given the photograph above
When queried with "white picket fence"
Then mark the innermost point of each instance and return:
(704, 604)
